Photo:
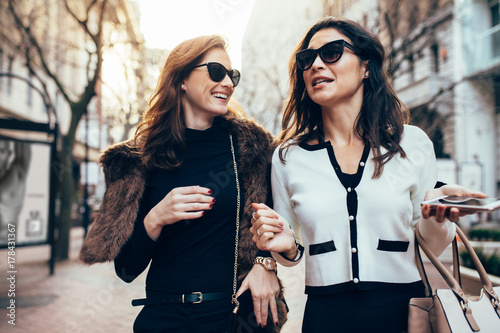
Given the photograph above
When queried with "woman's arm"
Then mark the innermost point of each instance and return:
(136, 254)
(181, 203)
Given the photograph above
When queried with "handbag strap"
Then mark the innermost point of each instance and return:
(234, 300)
(423, 274)
(452, 282)
(485, 280)
(421, 269)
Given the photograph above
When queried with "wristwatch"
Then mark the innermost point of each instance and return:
(268, 263)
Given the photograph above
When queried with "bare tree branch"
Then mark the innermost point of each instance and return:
(33, 42)
(84, 23)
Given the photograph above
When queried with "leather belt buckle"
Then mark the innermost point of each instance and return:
(200, 295)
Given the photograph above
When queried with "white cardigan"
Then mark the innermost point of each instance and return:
(372, 248)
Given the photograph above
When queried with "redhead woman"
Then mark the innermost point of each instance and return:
(179, 199)
(349, 177)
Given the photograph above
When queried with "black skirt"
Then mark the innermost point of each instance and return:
(359, 311)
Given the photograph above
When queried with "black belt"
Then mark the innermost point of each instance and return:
(194, 297)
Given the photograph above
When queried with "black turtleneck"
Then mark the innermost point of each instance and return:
(190, 255)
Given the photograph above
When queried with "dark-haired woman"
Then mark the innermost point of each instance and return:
(179, 194)
(349, 177)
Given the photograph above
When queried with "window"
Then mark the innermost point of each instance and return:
(411, 68)
(30, 90)
(435, 57)
(495, 25)
(1, 69)
(9, 79)
(495, 12)
(496, 87)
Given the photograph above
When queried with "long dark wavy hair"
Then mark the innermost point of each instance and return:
(160, 135)
(380, 121)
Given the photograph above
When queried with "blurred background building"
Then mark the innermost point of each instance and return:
(444, 63)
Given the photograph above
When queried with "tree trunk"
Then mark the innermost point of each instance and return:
(66, 191)
(67, 182)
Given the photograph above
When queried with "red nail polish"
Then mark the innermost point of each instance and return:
(213, 200)
(202, 213)
(209, 191)
(276, 323)
(211, 206)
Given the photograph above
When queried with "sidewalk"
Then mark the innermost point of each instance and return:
(81, 299)
(77, 298)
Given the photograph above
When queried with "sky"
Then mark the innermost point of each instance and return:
(166, 23)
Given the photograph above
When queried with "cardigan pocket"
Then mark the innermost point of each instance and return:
(393, 246)
(321, 248)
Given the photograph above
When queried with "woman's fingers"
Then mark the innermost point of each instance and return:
(181, 203)
(263, 242)
(192, 190)
(190, 215)
(261, 312)
(454, 214)
(441, 213)
(274, 310)
(257, 206)
(264, 221)
(269, 228)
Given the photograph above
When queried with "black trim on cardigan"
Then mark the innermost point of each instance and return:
(393, 246)
(315, 249)
(362, 285)
(350, 182)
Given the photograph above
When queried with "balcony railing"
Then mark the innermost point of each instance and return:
(484, 52)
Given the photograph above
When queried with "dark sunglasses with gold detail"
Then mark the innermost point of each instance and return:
(330, 52)
(218, 72)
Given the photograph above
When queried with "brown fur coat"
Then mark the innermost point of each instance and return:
(125, 180)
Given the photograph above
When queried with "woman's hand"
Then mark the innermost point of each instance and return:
(441, 212)
(182, 203)
(264, 286)
(271, 232)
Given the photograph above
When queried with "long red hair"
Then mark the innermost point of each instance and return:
(160, 135)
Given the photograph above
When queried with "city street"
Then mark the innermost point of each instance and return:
(422, 102)
(80, 298)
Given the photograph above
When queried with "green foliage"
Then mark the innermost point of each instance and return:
(485, 234)
(491, 263)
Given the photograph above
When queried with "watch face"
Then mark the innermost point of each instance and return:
(269, 263)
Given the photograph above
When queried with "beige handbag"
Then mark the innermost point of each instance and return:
(450, 310)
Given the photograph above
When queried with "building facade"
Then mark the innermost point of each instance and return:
(70, 54)
(445, 65)
(273, 31)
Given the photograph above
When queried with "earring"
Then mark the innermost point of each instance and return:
(183, 86)
(366, 74)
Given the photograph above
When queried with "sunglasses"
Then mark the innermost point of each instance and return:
(218, 72)
(329, 53)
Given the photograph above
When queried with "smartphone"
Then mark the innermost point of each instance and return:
(466, 203)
